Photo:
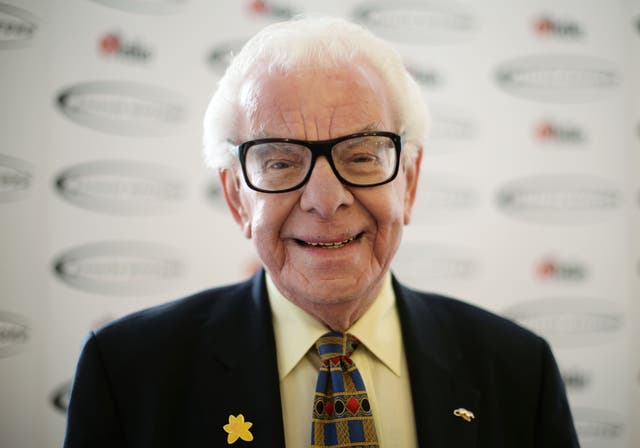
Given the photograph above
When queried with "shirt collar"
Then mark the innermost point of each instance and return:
(296, 331)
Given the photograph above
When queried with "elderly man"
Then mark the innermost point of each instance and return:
(317, 132)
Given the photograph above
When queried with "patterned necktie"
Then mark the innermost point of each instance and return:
(341, 411)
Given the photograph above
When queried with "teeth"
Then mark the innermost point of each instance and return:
(330, 245)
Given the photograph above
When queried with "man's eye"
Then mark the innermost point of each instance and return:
(363, 158)
(278, 164)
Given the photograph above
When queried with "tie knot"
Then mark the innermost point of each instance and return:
(334, 345)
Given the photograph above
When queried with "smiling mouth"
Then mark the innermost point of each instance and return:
(333, 245)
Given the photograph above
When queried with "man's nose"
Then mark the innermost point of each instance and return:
(323, 193)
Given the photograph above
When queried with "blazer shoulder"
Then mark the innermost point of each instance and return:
(180, 318)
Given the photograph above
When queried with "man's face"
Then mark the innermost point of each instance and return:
(326, 246)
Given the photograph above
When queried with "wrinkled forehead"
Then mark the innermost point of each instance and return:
(314, 103)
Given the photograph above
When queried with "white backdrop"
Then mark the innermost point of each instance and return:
(529, 202)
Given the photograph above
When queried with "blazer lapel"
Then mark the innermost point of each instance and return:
(242, 366)
(441, 393)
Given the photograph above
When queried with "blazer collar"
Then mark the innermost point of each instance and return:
(439, 383)
(242, 327)
(242, 364)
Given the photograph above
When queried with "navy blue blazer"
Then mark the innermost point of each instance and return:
(170, 376)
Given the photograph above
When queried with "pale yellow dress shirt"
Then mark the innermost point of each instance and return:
(380, 359)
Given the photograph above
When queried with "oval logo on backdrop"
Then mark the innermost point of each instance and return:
(14, 333)
(452, 130)
(576, 379)
(570, 322)
(558, 78)
(15, 178)
(426, 77)
(60, 397)
(222, 54)
(442, 198)
(17, 26)
(145, 6)
(214, 194)
(418, 22)
(559, 199)
(120, 267)
(597, 427)
(124, 108)
(121, 187)
(420, 263)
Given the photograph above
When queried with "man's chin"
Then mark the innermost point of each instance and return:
(330, 300)
(331, 291)
(318, 299)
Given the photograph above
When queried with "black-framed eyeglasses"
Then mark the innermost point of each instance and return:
(278, 165)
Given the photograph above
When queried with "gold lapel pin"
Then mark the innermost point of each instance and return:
(238, 428)
(464, 414)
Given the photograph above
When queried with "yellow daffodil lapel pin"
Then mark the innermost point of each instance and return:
(237, 428)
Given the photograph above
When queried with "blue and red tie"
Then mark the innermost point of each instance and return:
(341, 410)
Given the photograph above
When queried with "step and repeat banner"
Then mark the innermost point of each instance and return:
(529, 203)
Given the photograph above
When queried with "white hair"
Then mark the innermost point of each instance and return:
(316, 42)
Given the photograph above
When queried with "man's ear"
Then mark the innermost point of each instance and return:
(231, 184)
(412, 174)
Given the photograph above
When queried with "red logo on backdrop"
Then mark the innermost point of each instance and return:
(545, 131)
(543, 25)
(110, 43)
(548, 26)
(564, 270)
(261, 7)
(258, 6)
(548, 131)
(546, 269)
(113, 44)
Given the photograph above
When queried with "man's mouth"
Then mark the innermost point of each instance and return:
(331, 245)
